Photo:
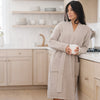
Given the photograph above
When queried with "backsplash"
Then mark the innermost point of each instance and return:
(27, 36)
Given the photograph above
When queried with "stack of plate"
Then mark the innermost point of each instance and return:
(50, 9)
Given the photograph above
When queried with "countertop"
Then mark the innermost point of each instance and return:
(92, 56)
(22, 47)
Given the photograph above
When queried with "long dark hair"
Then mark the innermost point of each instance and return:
(78, 9)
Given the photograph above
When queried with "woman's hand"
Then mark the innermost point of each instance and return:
(77, 51)
(68, 50)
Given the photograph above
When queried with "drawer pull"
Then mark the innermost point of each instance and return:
(20, 53)
(8, 60)
(86, 78)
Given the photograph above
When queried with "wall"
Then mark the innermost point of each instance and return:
(98, 10)
(27, 36)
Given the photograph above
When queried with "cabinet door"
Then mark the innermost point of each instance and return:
(86, 80)
(40, 67)
(3, 72)
(90, 9)
(19, 71)
(97, 89)
(82, 96)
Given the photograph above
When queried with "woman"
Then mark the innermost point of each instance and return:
(64, 66)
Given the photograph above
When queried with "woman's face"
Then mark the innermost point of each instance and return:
(71, 14)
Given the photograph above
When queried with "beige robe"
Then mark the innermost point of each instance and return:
(63, 68)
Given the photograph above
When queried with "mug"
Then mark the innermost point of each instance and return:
(73, 47)
(54, 22)
(41, 21)
(33, 22)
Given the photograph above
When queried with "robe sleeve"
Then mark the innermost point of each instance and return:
(53, 42)
(85, 45)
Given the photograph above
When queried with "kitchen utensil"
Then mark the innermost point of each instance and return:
(22, 21)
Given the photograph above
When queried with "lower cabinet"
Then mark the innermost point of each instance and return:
(23, 67)
(86, 81)
(19, 71)
(89, 80)
(15, 67)
(40, 67)
(97, 89)
(3, 72)
(83, 96)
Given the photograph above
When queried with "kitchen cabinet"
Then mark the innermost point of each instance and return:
(40, 67)
(97, 82)
(3, 73)
(89, 80)
(87, 77)
(90, 8)
(20, 71)
(15, 67)
(97, 89)
(83, 96)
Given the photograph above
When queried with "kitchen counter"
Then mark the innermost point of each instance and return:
(23, 47)
(92, 56)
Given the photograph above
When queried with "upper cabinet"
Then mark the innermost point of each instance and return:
(90, 9)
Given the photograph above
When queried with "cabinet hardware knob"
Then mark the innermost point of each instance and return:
(8, 60)
(20, 53)
(86, 78)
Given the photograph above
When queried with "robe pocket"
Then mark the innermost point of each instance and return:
(76, 69)
(54, 63)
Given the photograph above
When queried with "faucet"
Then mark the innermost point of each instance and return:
(43, 43)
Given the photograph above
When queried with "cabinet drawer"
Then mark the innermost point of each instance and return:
(2, 53)
(19, 53)
(86, 85)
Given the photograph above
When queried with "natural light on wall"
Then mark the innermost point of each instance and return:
(1, 23)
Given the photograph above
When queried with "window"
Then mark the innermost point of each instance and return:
(1, 15)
